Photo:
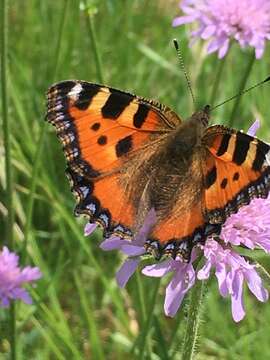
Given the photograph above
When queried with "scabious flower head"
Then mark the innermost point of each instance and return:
(12, 278)
(246, 21)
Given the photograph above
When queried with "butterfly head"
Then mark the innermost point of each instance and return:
(202, 116)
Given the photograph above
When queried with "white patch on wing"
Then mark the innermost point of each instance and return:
(75, 91)
(267, 159)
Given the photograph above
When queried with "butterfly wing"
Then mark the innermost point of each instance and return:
(236, 170)
(102, 130)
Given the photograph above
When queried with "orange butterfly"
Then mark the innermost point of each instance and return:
(127, 155)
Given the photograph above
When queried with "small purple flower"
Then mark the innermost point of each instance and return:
(231, 270)
(134, 249)
(246, 21)
(182, 280)
(12, 278)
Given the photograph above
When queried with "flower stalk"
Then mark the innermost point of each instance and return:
(6, 122)
(40, 142)
(8, 164)
(92, 35)
(241, 88)
(193, 322)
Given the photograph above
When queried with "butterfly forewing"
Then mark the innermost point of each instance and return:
(236, 170)
(104, 133)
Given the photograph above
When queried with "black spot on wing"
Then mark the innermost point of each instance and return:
(86, 95)
(123, 146)
(224, 144)
(211, 177)
(140, 116)
(95, 126)
(102, 140)
(115, 104)
(261, 151)
(241, 148)
(224, 183)
(236, 176)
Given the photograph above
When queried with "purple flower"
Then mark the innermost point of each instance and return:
(250, 226)
(231, 270)
(134, 249)
(182, 280)
(246, 21)
(12, 278)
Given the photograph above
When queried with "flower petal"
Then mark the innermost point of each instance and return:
(182, 281)
(255, 285)
(221, 275)
(149, 222)
(158, 270)
(126, 271)
(113, 243)
(132, 250)
(254, 127)
(238, 311)
(204, 272)
(181, 20)
(89, 228)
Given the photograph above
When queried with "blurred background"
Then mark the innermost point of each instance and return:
(78, 311)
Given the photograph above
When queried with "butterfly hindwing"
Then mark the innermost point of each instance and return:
(236, 170)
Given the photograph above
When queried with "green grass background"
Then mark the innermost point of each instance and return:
(78, 311)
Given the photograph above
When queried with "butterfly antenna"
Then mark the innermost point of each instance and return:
(182, 65)
(242, 93)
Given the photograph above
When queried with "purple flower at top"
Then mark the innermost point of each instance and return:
(12, 278)
(134, 249)
(246, 21)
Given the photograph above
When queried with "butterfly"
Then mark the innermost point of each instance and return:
(127, 155)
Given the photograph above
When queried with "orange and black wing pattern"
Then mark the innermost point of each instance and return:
(236, 170)
(101, 129)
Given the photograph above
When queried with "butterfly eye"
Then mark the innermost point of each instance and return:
(207, 109)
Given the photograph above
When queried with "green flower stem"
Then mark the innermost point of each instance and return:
(93, 38)
(141, 340)
(6, 123)
(219, 73)
(8, 164)
(241, 88)
(216, 84)
(40, 142)
(193, 321)
(142, 306)
(140, 296)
